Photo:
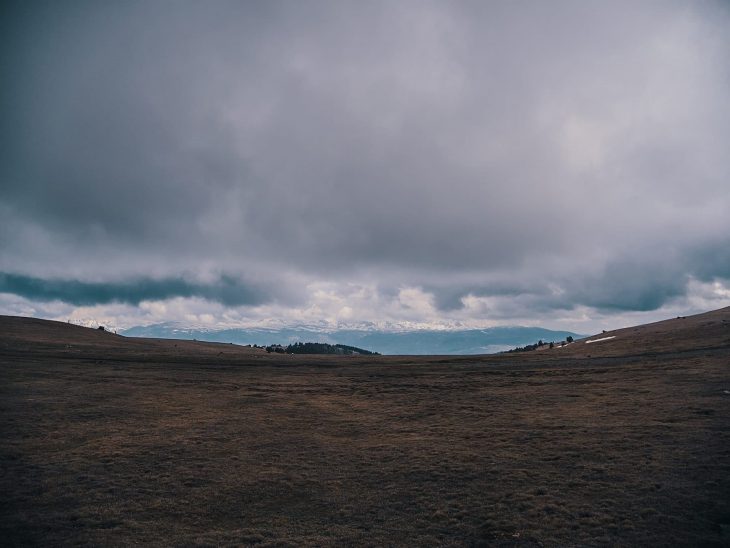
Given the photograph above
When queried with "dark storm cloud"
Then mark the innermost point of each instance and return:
(225, 290)
(630, 286)
(628, 283)
(711, 260)
(450, 297)
(620, 287)
(564, 154)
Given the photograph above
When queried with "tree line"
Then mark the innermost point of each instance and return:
(540, 344)
(319, 348)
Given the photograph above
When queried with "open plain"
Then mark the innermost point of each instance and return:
(107, 440)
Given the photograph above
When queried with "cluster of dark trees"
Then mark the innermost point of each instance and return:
(540, 344)
(319, 348)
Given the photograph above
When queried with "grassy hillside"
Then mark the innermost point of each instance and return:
(110, 440)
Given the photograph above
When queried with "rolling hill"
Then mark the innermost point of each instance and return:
(621, 439)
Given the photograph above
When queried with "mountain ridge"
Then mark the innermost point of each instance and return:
(413, 342)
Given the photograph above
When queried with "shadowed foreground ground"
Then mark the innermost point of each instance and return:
(108, 440)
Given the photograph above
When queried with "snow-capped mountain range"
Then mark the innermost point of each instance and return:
(397, 340)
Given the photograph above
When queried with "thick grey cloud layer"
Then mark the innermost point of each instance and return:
(226, 290)
(559, 155)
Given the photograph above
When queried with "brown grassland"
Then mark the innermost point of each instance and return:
(106, 440)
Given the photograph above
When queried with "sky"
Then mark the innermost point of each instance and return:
(409, 164)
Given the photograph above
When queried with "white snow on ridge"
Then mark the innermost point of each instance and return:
(603, 339)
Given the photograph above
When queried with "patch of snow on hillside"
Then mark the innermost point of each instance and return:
(603, 339)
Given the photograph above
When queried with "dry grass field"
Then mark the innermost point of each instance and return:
(107, 440)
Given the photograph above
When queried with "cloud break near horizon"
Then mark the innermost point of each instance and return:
(423, 164)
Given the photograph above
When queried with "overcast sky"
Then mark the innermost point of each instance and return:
(563, 164)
